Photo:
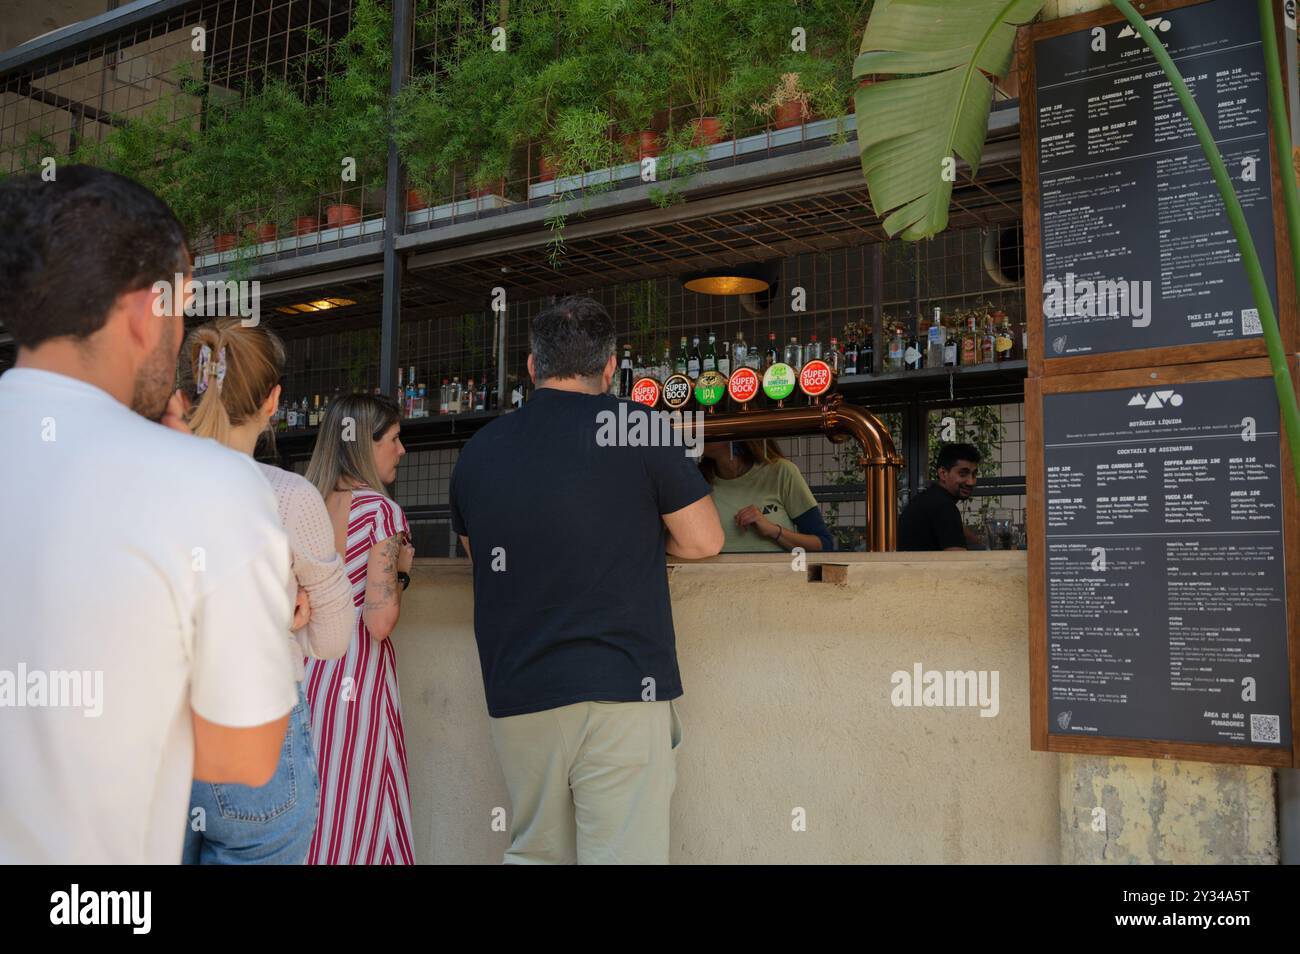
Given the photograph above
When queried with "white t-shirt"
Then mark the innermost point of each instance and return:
(145, 562)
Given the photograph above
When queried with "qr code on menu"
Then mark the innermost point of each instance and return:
(1265, 728)
(1250, 322)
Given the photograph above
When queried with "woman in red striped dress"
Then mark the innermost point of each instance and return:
(356, 712)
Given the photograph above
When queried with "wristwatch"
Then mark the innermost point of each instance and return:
(404, 579)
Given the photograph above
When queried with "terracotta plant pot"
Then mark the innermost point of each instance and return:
(224, 241)
(267, 232)
(545, 170)
(492, 188)
(306, 224)
(414, 201)
(707, 131)
(342, 214)
(787, 115)
(647, 143)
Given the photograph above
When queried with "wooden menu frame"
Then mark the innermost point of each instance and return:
(1139, 357)
(1041, 739)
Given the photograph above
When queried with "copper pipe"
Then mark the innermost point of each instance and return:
(837, 421)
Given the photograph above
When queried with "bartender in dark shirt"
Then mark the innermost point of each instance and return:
(931, 521)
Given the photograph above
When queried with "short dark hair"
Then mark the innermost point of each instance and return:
(949, 454)
(70, 247)
(571, 339)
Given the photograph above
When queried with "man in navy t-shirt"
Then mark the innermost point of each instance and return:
(567, 507)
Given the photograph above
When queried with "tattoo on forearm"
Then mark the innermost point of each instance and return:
(382, 593)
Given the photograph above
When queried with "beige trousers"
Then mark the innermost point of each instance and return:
(590, 783)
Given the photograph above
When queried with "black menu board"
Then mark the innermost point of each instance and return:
(1166, 592)
(1136, 247)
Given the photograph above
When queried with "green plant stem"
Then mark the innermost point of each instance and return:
(1277, 109)
(1237, 218)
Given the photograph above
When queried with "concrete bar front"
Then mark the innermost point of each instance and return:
(867, 708)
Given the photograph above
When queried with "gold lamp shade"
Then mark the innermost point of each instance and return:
(745, 279)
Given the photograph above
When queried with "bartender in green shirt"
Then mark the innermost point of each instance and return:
(763, 500)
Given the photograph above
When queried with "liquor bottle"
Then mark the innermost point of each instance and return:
(894, 354)
(480, 396)
(794, 354)
(444, 398)
(753, 360)
(625, 373)
(851, 355)
(665, 364)
(710, 360)
(813, 351)
(1004, 346)
(303, 411)
(970, 348)
(683, 359)
(313, 417)
(835, 358)
(913, 356)
(693, 359)
(772, 356)
(867, 355)
(989, 340)
(400, 392)
(724, 359)
(951, 347)
(408, 399)
(421, 401)
(281, 421)
(934, 344)
(456, 396)
(291, 417)
(739, 351)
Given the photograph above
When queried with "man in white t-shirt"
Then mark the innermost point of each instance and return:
(143, 575)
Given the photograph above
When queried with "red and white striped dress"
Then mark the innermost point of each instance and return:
(356, 722)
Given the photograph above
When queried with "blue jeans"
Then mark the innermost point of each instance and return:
(269, 825)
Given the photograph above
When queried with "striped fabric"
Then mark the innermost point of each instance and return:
(356, 723)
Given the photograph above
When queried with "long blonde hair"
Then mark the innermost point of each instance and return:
(341, 447)
(759, 452)
(253, 359)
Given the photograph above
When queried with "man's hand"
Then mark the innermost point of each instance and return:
(301, 611)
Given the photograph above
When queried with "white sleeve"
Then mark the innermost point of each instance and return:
(321, 572)
(243, 669)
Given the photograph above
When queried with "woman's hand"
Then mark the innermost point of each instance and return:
(301, 611)
(750, 517)
(174, 414)
(406, 555)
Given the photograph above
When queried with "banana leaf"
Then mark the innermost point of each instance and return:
(938, 109)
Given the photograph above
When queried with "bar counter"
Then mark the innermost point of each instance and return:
(790, 722)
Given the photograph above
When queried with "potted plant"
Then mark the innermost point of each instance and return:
(351, 120)
(698, 53)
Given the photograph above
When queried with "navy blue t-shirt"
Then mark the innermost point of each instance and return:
(570, 581)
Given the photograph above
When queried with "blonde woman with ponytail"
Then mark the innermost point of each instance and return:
(356, 711)
(232, 374)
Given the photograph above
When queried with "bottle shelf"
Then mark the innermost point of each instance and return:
(452, 430)
(936, 381)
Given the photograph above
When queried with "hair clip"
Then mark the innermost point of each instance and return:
(207, 369)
